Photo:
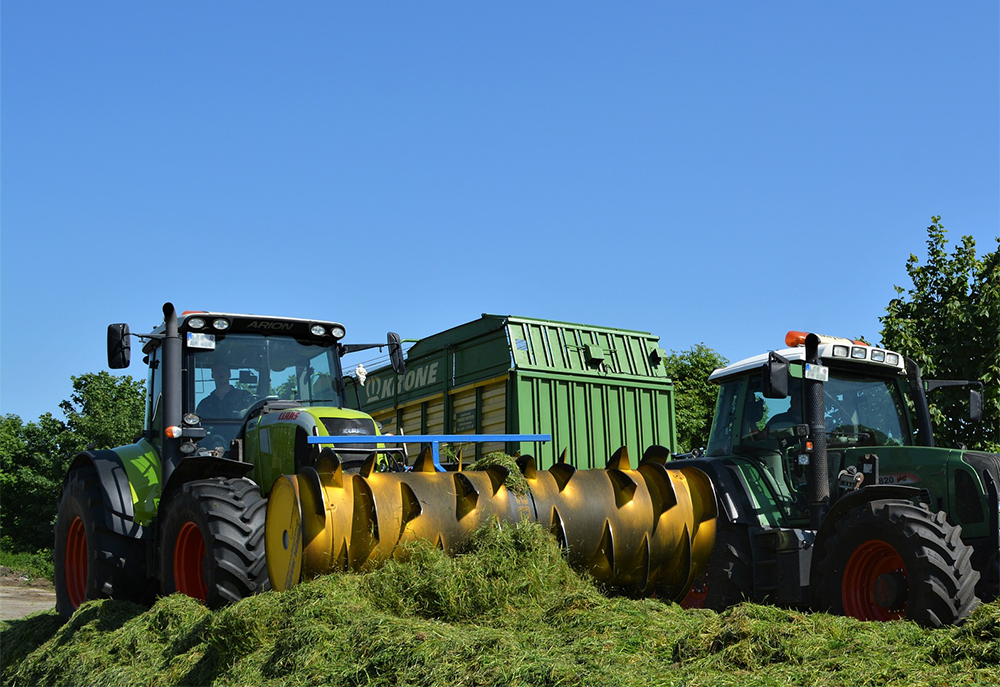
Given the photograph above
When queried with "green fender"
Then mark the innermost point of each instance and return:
(129, 477)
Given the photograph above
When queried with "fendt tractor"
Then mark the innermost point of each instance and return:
(251, 474)
(833, 496)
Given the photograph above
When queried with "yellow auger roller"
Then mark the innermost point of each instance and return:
(650, 528)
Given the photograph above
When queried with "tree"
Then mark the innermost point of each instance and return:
(948, 322)
(694, 396)
(103, 411)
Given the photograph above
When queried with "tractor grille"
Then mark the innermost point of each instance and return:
(984, 463)
(337, 426)
(967, 500)
(988, 467)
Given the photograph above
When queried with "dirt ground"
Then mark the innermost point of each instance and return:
(20, 596)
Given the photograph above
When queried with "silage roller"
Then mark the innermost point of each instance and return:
(645, 529)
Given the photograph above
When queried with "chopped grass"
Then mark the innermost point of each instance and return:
(508, 611)
(515, 482)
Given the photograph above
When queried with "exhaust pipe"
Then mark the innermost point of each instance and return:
(171, 375)
(819, 474)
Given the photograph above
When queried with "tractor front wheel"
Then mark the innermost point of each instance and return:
(91, 561)
(212, 541)
(887, 559)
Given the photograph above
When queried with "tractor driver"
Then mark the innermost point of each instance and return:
(783, 422)
(225, 401)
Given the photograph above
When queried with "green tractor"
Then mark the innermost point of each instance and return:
(833, 496)
(231, 402)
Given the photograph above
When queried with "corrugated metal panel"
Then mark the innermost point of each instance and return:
(411, 419)
(435, 417)
(494, 413)
(561, 346)
(592, 420)
(388, 420)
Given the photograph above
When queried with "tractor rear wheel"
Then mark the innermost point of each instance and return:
(888, 559)
(91, 561)
(729, 578)
(212, 541)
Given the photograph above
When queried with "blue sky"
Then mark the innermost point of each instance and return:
(714, 172)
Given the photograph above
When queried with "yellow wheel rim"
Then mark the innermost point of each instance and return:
(283, 534)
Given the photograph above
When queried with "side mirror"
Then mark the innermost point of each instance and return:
(119, 346)
(774, 380)
(975, 395)
(395, 353)
(975, 405)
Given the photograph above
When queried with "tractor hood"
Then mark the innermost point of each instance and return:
(276, 440)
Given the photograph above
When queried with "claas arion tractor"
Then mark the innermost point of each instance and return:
(833, 496)
(251, 474)
(231, 400)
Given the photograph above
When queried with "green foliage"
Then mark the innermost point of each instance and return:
(694, 396)
(104, 411)
(33, 565)
(948, 321)
(447, 453)
(509, 611)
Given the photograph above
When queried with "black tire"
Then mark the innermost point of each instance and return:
(889, 559)
(91, 561)
(225, 518)
(729, 578)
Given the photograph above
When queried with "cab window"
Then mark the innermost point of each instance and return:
(720, 439)
(154, 397)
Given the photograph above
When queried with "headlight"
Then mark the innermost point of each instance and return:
(840, 351)
(317, 330)
(221, 324)
(878, 356)
(196, 322)
(892, 359)
(338, 332)
(859, 352)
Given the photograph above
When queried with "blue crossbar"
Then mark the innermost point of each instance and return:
(435, 440)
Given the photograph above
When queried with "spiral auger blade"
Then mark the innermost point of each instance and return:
(645, 528)
(705, 510)
(324, 520)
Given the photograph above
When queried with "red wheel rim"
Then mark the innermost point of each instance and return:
(189, 555)
(867, 564)
(75, 563)
(698, 594)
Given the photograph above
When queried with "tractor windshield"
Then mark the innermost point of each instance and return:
(858, 411)
(225, 382)
(864, 411)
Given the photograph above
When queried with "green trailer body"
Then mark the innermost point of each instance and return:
(594, 389)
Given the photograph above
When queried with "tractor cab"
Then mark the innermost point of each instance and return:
(247, 388)
(232, 366)
(866, 404)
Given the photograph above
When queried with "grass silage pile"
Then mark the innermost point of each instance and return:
(507, 612)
